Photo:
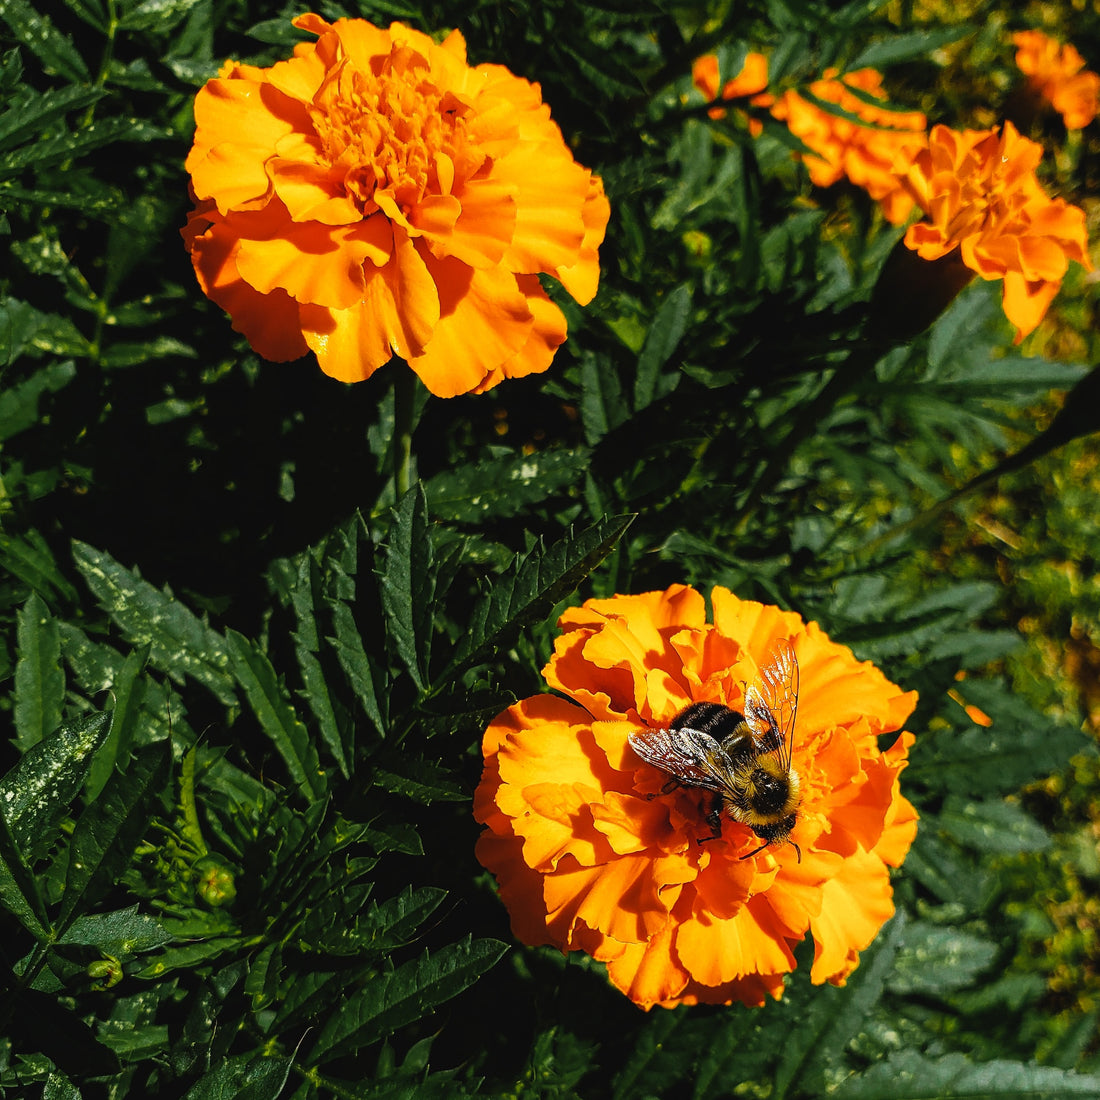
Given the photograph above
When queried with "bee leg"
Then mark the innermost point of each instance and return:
(670, 786)
(798, 851)
(749, 855)
(714, 820)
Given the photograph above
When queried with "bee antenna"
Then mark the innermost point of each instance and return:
(798, 851)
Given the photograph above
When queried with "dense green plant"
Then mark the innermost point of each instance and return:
(252, 643)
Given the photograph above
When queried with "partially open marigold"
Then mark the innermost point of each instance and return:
(752, 79)
(375, 195)
(593, 852)
(979, 193)
(1054, 71)
(842, 147)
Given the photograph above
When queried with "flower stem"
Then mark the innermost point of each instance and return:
(404, 422)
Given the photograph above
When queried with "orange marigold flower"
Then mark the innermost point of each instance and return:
(375, 195)
(842, 147)
(979, 193)
(1054, 72)
(592, 851)
(752, 78)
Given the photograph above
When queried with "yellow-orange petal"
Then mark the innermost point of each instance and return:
(484, 320)
(855, 903)
(582, 278)
(314, 263)
(268, 321)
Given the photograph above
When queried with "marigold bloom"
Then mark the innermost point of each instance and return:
(752, 78)
(593, 852)
(1054, 72)
(374, 195)
(979, 193)
(842, 147)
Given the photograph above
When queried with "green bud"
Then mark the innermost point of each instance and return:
(216, 885)
(105, 972)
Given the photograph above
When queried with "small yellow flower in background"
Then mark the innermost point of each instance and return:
(752, 79)
(865, 154)
(979, 194)
(1054, 72)
(593, 851)
(374, 196)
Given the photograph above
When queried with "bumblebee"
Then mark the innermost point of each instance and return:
(743, 758)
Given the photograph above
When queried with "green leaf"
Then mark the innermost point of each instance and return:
(269, 703)
(530, 588)
(505, 486)
(54, 49)
(661, 341)
(603, 406)
(107, 832)
(30, 113)
(833, 1017)
(413, 776)
(19, 403)
(992, 825)
(242, 1077)
(122, 933)
(1020, 746)
(19, 892)
(179, 643)
(157, 15)
(367, 679)
(903, 47)
(29, 558)
(35, 794)
(39, 681)
(128, 692)
(934, 961)
(408, 585)
(403, 996)
(264, 976)
(914, 1076)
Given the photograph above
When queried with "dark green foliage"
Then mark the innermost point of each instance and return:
(251, 650)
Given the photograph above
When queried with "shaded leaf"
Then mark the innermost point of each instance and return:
(179, 643)
(276, 716)
(408, 585)
(404, 995)
(39, 681)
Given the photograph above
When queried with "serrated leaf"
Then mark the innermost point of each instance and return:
(834, 1016)
(256, 676)
(368, 681)
(603, 406)
(122, 933)
(36, 793)
(31, 112)
(992, 826)
(402, 996)
(264, 974)
(242, 1077)
(106, 833)
(503, 487)
(39, 681)
(914, 1076)
(665, 334)
(54, 49)
(1020, 746)
(156, 15)
(936, 961)
(179, 643)
(530, 587)
(903, 47)
(418, 778)
(189, 956)
(19, 403)
(19, 892)
(128, 692)
(407, 585)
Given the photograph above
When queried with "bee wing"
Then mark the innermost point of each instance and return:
(771, 703)
(694, 758)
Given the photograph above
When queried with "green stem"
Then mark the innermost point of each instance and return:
(404, 421)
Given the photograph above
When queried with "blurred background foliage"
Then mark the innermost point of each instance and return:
(298, 665)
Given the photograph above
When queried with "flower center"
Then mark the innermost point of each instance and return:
(392, 130)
